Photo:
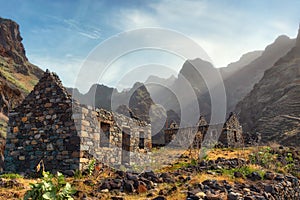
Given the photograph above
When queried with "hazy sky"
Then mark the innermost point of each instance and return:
(59, 35)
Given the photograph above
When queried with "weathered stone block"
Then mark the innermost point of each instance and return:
(47, 105)
(24, 119)
(15, 129)
(21, 157)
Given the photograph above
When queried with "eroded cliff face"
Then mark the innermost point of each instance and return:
(17, 75)
(272, 108)
(11, 41)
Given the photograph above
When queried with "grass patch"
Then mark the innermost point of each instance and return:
(244, 170)
(11, 176)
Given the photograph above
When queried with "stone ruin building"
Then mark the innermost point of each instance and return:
(231, 132)
(51, 127)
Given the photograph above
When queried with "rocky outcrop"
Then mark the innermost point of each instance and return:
(17, 75)
(137, 99)
(98, 96)
(11, 41)
(15, 68)
(272, 108)
(12, 49)
(10, 95)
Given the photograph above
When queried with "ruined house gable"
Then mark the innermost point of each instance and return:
(232, 122)
(48, 86)
(41, 128)
(202, 121)
(232, 134)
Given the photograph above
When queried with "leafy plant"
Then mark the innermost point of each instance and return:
(91, 167)
(51, 187)
(244, 170)
(263, 157)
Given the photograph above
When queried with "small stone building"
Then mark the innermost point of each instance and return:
(50, 126)
(231, 132)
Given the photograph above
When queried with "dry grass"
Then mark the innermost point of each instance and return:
(23, 82)
(16, 192)
(229, 153)
(199, 178)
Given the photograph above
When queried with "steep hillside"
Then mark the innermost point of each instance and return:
(240, 83)
(272, 108)
(17, 75)
(245, 59)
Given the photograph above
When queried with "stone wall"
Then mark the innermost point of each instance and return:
(232, 134)
(51, 127)
(229, 134)
(89, 123)
(41, 128)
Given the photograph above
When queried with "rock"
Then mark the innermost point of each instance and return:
(128, 186)
(105, 185)
(116, 184)
(192, 197)
(221, 196)
(249, 198)
(279, 177)
(254, 176)
(200, 195)
(131, 176)
(142, 189)
(238, 175)
(269, 189)
(269, 175)
(69, 173)
(117, 198)
(233, 196)
(151, 194)
(104, 191)
(246, 190)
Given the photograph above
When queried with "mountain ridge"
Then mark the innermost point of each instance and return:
(272, 108)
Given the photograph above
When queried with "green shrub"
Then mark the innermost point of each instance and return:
(263, 157)
(51, 187)
(11, 176)
(244, 170)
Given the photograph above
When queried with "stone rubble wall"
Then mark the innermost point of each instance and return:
(50, 126)
(41, 128)
(88, 122)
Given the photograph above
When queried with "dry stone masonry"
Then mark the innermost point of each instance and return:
(231, 132)
(50, 126)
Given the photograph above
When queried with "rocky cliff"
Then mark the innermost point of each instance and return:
(17, 75)
(137, 98)
(240, 83)
(272, 108)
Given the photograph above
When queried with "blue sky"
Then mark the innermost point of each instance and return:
(59, 35)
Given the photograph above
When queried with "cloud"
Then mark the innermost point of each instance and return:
(225, 31)
(83, 29)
